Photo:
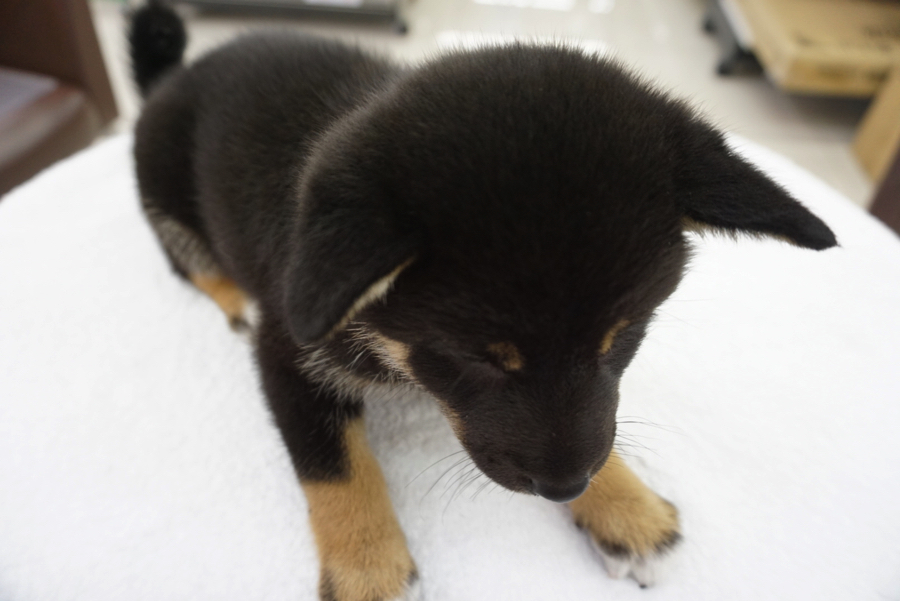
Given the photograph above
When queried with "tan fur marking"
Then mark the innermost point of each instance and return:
(700, 228)
(362, 549)
(231, 299)
(610, 337)
(393, 353)
(618, 509)
(507, 354)
(185, 247)
(373, 293)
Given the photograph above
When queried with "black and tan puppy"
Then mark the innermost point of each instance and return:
(495, 228)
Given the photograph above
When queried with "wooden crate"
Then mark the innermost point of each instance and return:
(836, 47)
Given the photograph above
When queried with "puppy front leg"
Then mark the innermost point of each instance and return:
(631, 525)
(362, 550)
(361, 547)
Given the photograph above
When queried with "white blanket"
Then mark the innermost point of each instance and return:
(137, 460)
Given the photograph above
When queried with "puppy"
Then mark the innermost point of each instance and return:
(495, 227)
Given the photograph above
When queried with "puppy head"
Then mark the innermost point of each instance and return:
(507, 221)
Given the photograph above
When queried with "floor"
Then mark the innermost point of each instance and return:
(662, 39)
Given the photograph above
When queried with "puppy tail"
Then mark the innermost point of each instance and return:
(157, 39)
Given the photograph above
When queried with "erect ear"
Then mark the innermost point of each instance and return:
(348, 249)
(720, 190)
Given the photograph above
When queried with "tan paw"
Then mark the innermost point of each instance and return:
(632, 527)
(381, 582)
(362, 550)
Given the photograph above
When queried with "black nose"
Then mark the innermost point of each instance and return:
(560, 492)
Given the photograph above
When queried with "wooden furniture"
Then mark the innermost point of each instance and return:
(54, 40)
(886, 205)
(877, 146)
(833, 47)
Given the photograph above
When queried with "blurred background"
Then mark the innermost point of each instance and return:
(797, 76)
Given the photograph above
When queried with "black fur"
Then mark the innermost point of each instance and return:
(317, 451)
(537, 194)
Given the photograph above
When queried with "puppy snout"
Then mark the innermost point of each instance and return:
(560, 491)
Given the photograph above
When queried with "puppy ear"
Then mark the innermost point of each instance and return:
(722, 191)
(346, 255)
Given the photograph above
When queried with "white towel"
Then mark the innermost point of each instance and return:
(138, 462)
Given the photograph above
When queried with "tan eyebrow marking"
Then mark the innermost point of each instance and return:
(507, 354)
(610, 337)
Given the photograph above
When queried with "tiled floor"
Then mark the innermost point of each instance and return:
(661, 38)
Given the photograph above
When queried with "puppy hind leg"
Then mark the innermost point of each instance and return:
(191, 257)
(233, 302)
(632, 527)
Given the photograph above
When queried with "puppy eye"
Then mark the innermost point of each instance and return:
(484, 372)
(491, 366)
(472, 369)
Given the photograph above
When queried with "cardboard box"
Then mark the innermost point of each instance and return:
(837, 47)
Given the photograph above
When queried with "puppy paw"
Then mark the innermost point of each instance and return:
(645, 564)
(632, 527)
(370, 582)
(362, 549)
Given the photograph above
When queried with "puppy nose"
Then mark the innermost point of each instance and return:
(560, 492)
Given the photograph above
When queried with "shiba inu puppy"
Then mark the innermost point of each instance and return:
(495, 227)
